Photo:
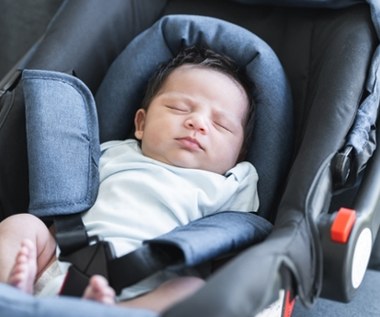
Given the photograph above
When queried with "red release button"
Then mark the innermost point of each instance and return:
(342, 225)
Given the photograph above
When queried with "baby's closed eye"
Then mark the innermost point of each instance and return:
(178, 108)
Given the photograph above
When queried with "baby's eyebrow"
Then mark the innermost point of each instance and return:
(178, 96)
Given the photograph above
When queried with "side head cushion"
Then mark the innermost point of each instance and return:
(122, 90)
(62, 143)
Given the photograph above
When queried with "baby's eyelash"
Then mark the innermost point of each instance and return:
(223, 126)
(178, 108)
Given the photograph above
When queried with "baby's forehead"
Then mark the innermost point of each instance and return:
(206, 70)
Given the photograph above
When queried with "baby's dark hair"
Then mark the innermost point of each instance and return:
(207, 58)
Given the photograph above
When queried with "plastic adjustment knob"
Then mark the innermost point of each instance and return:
(342, 225)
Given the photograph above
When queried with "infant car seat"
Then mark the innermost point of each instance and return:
(330, 108)
(57, 190)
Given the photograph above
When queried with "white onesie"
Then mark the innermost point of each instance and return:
(140, 198)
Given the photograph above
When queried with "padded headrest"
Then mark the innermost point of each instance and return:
(122, 90)
(304, 3)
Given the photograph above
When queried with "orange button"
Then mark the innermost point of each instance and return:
(342, 225)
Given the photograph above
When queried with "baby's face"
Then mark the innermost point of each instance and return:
(195, 121)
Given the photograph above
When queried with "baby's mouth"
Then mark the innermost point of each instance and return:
(190, 143)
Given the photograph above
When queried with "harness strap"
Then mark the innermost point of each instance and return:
(71, 234)
(85, 262)
(200, 241)
(121, 272)
(139, 264)
(90, 255)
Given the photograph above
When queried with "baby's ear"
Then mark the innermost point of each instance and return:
(139, 123)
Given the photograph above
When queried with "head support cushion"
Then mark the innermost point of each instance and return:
(121, 92)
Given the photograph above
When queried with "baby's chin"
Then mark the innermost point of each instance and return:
(212, 169)
(188, 162)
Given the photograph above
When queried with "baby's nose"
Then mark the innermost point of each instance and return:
(197, 122)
